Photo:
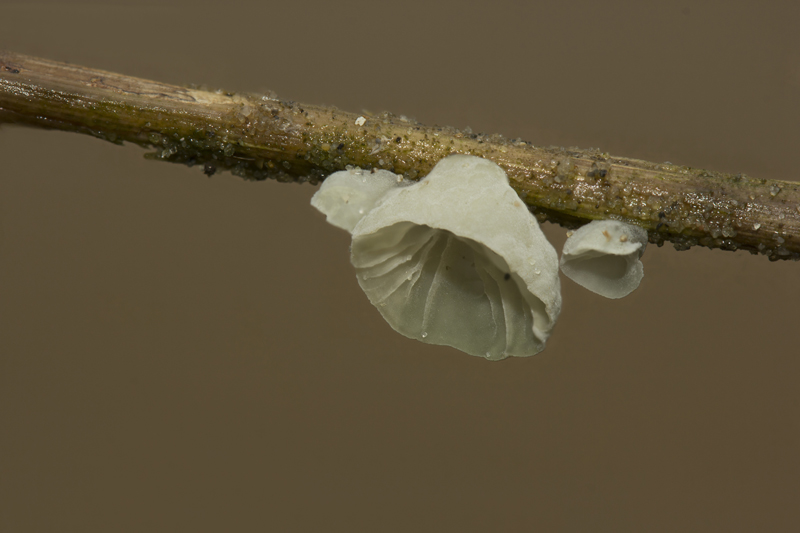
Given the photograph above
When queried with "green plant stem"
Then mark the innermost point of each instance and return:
(260, 136)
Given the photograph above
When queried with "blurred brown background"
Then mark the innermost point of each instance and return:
(179, 353)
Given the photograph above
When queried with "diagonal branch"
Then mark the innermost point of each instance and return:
(259, 137)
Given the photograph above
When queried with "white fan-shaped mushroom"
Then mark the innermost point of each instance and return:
(457, 259)
(603, 256)
(346, 196)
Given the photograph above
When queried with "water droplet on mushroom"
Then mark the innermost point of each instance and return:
(424, 334)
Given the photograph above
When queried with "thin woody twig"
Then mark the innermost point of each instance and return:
(260, 136)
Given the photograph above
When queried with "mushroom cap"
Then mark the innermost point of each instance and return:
(346, 196)
(457, 259)
(603, 256)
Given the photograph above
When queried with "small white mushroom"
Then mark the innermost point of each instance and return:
(346, 196)
(457, 259)
(603, 256)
